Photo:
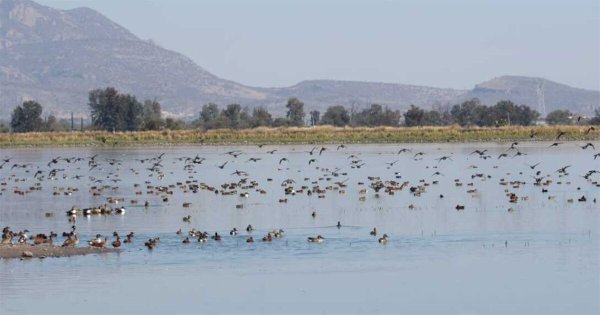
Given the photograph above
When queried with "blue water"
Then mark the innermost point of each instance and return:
(541, 257)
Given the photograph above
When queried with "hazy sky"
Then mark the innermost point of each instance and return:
(437, 43)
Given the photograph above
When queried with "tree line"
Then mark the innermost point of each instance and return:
(114, 111)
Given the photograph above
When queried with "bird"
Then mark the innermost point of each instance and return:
(591, 128)
(587, 145)
(341, 146)
(418, 154)
(373, 232)
(534, 165)
(555, 144)
(443, 158)
(311, 161)
(117, 242)
(283, 160)
(563, 170)
(322, 150)
(222, 166)
(560, 134)
(404, 150)
(392, 163)
(532, 133)
(480, 152)
(383, 239)
(502, 155)
(519, 153)
(317, 239)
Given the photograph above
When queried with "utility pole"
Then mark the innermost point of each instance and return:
(72, 124)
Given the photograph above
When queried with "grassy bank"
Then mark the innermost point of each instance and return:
(322, 134)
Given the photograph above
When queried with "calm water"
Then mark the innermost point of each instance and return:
(541, 257)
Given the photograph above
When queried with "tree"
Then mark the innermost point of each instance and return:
(315, 117)
(173, 124)
(27, 117)
(113, 111)
(260, 117)
(414, 116)
(559, 117)
(596, 119)
(132, 113)
(295, 113)
(467, 113)
(376, 115)
(52, 124)
(152, 116)
(104, 106)
(232, 115)
(336, 116)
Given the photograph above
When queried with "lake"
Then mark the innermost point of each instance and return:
(539, 254)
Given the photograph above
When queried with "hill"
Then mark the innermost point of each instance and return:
(57, 56)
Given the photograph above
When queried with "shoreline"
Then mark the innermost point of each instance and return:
(300, 135)
(44, 251)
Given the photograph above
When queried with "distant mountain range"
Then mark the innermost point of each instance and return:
(57, 56)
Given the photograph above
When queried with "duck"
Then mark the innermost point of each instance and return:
(339, 225)
(267, 238)
(373, 232)
(249, 228)
(203, 237)
(317, 239)
(187, 218)
(71, 241)
(117, 242)
(277, 233)
(216, 237)
(186, 240)
(98, 241)
(233, 232)
(384, 239)
(250, 240)
(120, 210)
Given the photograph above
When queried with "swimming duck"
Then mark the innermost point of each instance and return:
(384, 239)
(267, 238)
(250, 240)
(186, 240)
(318, 239)
(249, 228)
(374, 232)
(117, 242)
(339, 225)
(187, 218)
(203, 237)
(233, 232)
(216, 237)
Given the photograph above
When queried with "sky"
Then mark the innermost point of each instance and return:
(441, 43)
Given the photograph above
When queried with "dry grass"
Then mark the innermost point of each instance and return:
(321, 134)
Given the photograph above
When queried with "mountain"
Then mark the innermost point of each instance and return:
(57, 56)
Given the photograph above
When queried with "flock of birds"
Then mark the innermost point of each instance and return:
(104, 177)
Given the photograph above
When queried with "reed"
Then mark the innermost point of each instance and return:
(299, 135)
